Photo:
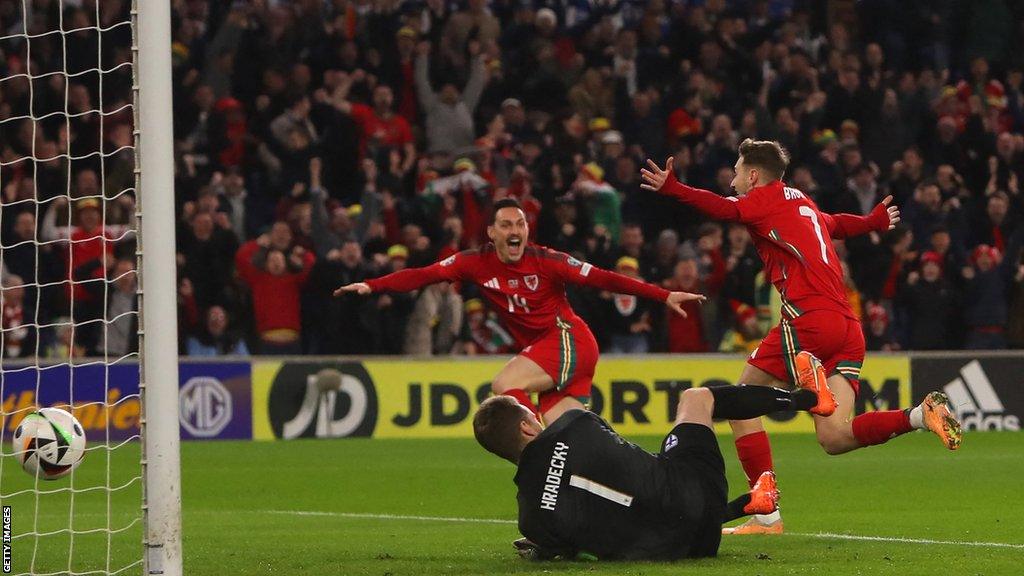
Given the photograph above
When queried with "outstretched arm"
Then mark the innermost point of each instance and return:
(447, 270)
(402, 281)
(618, 283)
(584, 274)
(663, 181)
(881, 219)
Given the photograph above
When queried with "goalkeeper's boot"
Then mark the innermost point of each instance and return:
(529, 551)
(764, 496)
(810, 375)
(938, 419)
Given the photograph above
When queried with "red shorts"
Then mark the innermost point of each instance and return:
(838, 341)
(568, 354)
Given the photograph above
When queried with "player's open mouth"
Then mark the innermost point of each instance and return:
(514, 244)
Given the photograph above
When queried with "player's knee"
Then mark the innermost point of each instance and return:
(832, 449)
(832, 444)
(697, 397)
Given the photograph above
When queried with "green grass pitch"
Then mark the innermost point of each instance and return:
(345, 506)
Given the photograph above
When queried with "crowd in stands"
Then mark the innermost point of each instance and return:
(323, 142)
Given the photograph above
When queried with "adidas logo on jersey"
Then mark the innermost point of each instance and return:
(492, 283)
(976, 403)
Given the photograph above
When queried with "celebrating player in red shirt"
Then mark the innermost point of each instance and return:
(793, 239)
(526, 286)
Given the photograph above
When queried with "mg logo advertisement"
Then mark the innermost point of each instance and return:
(204, 406)
(215, 400)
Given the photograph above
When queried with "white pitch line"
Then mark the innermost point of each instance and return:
(822, 535)
(833, 536)
(390, 516)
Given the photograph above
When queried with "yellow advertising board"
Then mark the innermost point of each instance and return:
(437, 398)
(639, 396)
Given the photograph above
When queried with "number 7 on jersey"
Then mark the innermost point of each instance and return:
(810, 213)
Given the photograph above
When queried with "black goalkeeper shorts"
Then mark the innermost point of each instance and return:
(699, 488)
(694, 448)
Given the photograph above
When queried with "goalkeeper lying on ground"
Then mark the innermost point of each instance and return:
(583, 489)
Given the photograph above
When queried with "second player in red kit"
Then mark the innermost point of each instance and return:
(525, 285)
(794, 240)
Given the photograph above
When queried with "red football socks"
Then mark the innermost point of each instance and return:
(522, 397)
(755, 454)
(873, 428)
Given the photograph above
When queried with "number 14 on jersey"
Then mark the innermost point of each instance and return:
(517, 300)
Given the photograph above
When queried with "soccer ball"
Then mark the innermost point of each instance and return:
(49, 443)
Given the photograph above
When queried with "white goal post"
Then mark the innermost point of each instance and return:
(86, 178)
(158, 319)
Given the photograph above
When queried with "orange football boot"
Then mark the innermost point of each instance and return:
(764, 496)
(810, 375)
(941, 421)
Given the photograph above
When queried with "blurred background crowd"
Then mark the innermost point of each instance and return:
(322, 142)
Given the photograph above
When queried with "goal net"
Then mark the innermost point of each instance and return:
(71, 284)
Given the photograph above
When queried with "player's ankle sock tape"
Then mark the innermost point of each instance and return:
(521, 397)
(744, 402)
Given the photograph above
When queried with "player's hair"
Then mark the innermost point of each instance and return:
(767, 155)
(496, 426)
(503, 203)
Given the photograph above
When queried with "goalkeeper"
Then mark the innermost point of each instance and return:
(584, 489)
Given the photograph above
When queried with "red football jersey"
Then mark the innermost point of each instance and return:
(394, 131)
(793, 239)
(529, 295)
